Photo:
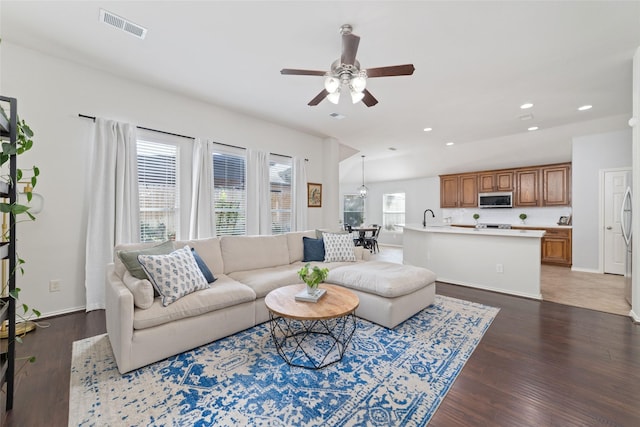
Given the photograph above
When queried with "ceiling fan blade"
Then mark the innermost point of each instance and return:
(350, 44)
(369, 100)
(393, 70)
(315, 101)
(290, 71)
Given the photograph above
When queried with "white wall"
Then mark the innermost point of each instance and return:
(591, 154)
(420, 194)
(51, 92)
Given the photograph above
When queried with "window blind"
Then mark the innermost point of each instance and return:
(280, 175)
(229, 191)
(159, 190)
(393, 210)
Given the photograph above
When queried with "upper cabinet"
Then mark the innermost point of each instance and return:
(459, 191)
(547, 185)
(495, 181)
(527, 187)
(556, 185)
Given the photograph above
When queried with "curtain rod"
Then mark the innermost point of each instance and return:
(84, 116)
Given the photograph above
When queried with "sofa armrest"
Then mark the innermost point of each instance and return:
(119, 317)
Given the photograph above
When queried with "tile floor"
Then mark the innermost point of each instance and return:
(601, 292)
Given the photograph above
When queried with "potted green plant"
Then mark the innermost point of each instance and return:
(24, 142)
(522, 217)
(312, 277)
(475, 217)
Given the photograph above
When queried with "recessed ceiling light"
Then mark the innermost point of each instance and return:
(449, 144)
(337, 116)
(427, 129)
(526, 117)
(533, 128)
(585, 107)
(526, 105)
(392, 148)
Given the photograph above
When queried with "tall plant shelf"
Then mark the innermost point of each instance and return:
(8, 134)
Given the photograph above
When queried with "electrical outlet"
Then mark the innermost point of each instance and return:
(499, 268)
(54, 285)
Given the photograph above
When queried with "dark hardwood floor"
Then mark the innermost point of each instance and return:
(539, 364)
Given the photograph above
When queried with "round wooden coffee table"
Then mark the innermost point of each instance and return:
(312, 335)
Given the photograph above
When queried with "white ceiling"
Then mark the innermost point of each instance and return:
(476, 63)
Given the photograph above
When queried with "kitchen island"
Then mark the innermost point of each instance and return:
(506, 261)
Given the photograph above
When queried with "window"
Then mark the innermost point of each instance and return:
(158, 189)
(392, 211)
(353, 212)
(229, 191)
(280, 174)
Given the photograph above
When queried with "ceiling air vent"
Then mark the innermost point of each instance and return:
(122, 24)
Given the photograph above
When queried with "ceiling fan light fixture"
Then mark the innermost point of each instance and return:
(331, 83)
(334, 97)
(359, 81)
(356, 96)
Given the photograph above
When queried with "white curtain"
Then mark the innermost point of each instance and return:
(299, 216)
(258, 193)
(114, 210)
(202, 220)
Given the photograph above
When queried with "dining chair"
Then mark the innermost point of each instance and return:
(371, 243)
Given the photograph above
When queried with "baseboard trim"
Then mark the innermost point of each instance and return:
(586, 270)
(60, 312)
(537, 297)
(634, 317)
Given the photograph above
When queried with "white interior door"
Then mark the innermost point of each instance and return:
(615, 184)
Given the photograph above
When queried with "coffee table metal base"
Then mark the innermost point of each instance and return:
(312, 344)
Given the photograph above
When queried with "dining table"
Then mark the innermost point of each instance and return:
(362, 232)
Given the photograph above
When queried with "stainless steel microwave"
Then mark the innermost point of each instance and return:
(502, 199)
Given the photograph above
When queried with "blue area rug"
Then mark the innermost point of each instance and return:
(386, 378)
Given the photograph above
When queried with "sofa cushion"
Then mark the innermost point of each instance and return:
(226, 293)
(204, 269)
(130, 257)
(141, 289)
(320, 232)
(242, 253)
(173, 275)
(382, 278)
(313, 249)
(264, 280)
(209, 251)
(338, 247)
(294, 242)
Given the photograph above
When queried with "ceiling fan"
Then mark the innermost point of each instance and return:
(346, 74)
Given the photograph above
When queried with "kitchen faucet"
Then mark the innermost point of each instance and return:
(424, 217)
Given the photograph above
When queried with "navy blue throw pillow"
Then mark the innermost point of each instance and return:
(203, 267)
(313, 249)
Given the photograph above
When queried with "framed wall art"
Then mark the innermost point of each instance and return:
(314, 195)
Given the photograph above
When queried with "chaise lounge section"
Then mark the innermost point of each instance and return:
(246, 268)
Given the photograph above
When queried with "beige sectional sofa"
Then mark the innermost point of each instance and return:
(247, 268)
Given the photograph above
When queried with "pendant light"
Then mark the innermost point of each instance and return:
(363, 189)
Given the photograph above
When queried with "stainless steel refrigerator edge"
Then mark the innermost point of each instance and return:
(626, 216)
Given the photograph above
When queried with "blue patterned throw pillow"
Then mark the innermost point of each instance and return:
(338, 247)
(174, 275)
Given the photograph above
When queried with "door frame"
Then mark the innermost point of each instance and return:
(601, 201)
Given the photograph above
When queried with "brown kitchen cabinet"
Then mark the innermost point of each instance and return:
(545, 185)
(493, 181)
(459, 191)
(556, 185)
(527, 187)
(555, 247)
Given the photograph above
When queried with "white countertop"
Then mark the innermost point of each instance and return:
(452, 229)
